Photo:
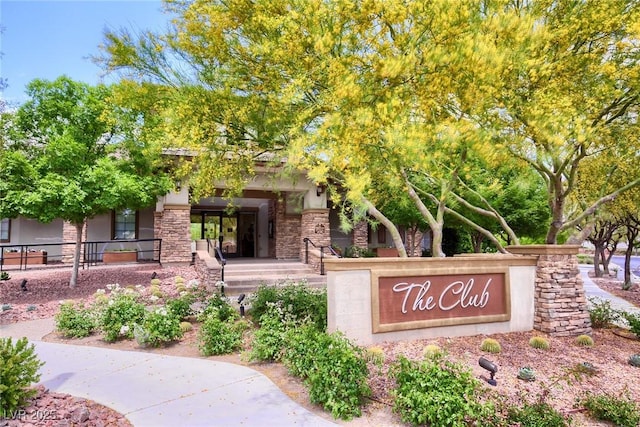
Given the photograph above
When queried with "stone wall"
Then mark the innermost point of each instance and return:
(560, 300)
(69, 236)
(209, 270)
(315, 226)
(360, 235)
(287, 235)
(174, 232)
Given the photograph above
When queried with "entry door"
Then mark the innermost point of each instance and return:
(229, 235)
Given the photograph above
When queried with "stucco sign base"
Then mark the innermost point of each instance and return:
(358, 292)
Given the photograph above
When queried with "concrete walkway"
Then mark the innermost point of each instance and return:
(155, 390)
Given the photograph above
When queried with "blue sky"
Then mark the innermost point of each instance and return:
(48, 38)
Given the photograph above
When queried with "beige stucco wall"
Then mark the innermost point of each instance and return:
(349, 289)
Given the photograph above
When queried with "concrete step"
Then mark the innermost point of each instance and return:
(242, 276)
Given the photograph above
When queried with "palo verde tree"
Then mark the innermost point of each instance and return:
(365, 94)
(73, 161)
(396, 94)
(576, 95)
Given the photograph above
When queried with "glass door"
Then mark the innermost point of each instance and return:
(229, 235)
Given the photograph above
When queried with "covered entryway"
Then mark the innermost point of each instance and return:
(234, 234)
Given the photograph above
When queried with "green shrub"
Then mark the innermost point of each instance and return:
(160, 326)
(75, 321)
(269, 339)
(156, 282)
(19, 367)
(119, 316)
(539, 342)
(218, 336)
(601, 313)
(299, 303)
(634, 322)
(180, 307)
(334, 369)
(438, 392)
(620, 410)
(538, 414)
(584, 340)
(220, 307)
(490, 346)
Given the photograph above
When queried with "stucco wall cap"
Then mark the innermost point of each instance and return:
(544, 249)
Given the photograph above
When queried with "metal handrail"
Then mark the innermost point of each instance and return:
(92, 251)
(223, 260)
(306, 241)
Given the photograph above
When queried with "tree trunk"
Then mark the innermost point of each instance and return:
(597, 254)
(76, 256)
(393, 230)
(627, 266)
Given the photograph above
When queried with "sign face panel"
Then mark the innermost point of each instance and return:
(438, 300)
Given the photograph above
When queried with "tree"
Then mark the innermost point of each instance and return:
(575, 96)
(74, 162)
(400, 95)
(604, 237)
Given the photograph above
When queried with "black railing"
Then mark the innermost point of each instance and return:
(306, 241)
(218, 252)
(51, 254)
(146, 250)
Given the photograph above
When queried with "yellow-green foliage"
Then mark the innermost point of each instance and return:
(178, 280)
(155, 282)
(584, 340)
(180, 287)
(431, 350)
(539, 342)
(490, 346)
(375, 355)
(156, 291)
(186, 326)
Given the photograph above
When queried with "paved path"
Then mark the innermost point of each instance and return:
(593, 291)
(156, 390)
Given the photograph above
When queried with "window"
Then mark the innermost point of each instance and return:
(5, 230)
(125, 224)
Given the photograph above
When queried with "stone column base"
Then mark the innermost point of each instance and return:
(560, 300)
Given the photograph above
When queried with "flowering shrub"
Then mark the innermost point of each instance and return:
(219, 336)
(159, 326)
(120, 314)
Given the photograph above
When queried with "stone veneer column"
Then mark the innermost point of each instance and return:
(157, 232)
(287, 234)
(174, 230)
(360, 235)
(69, 236)
(559, 298)
(315, 226)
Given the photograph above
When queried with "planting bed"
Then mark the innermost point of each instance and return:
(552, 367)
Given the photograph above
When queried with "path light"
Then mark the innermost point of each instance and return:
(240, 301)
(154, 275)
(23, 285)
(491, 367)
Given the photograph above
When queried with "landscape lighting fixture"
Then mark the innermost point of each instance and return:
(491, 367)
(154, 275)
(240, 301)
(23, 285)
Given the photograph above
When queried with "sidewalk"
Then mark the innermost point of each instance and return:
(156, 390)
(593, 291)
